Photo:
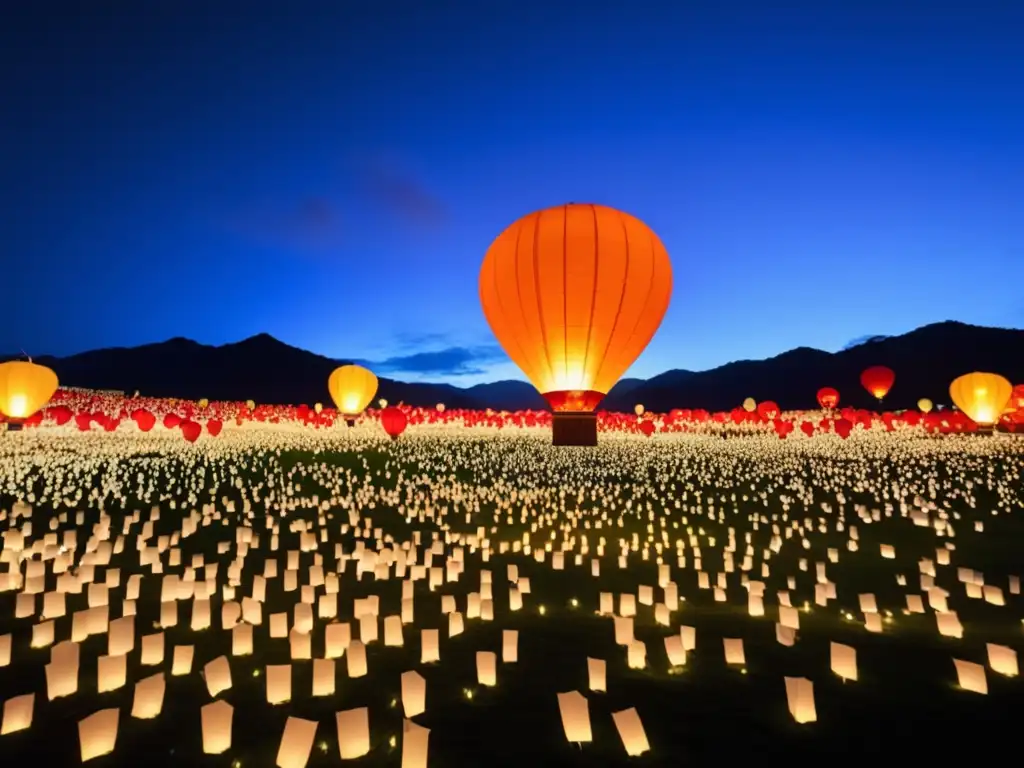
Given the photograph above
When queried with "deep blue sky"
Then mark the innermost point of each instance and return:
(819, 171)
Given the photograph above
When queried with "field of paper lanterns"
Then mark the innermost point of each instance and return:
(284, 589)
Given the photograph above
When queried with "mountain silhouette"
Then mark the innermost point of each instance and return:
(267, 370)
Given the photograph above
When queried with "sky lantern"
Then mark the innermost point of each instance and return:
(574, 294)
(877, 380)
(352, 387)
(25, 387)
(982, 396)
(924, 405)
(828, 397)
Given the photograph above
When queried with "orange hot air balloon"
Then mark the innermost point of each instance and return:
(877, 380)
(25, 387)
(574, 294)
(351, 387)
(828, 397)
(982, 396)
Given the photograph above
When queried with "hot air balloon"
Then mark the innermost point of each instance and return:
(749, 405)
(574, 294)
(828, 397)
(250, 404)
(25, 387)
(440, 407)
(203, 403)
(394, 421)
(318, 407)
(982, 396)
(382, 403)
(1016, 399)
(352, 387)
(924, 405)
(877, 380)
(638, 409)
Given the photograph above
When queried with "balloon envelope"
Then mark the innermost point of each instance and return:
(352, 387)
(25, 388)
(878, 380)
(982, 396)
(574, 294)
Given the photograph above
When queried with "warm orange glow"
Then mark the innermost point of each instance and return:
(878, 380)
(352, 387)
(982, 396)
(925, 405)
(25, 388)
(574, 294)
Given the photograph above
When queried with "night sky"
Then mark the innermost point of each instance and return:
(332, 171)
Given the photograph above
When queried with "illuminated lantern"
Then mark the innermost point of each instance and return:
(145, 420)
(877, 380)
(191, 430)
(750, 405)
(924, 405)
(982, 396)
(638, 409)
(24, 388)
(394, 421)
(647, 428)
(382, 403)
(250, 405)
(203, 403)
(574, 294)
(318, 407)
(828, 397)
(440, 407)
(352, 387)
(1016, 399)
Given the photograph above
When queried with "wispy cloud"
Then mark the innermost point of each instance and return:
(398, 191)
(862, 340)
(312, 224)
(450, 361)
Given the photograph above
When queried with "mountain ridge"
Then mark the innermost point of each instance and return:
(265, 369)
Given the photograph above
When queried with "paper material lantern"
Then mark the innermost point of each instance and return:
(337, 638)
(296, 743)
(631, 731)
(510, 646)
(149, 697)
(393, 631)
(356, 659)
(279, 683)
(62, 671)
(352, 388)
(674, 650)
(430, 650)
(152, 649)
(111, 673)
(415, 740)
(241, 640)
(218, 675)
(574, 338)
(182, 660)
(800, 695)
(575, 712)
(216, 719)
(487, 668)
(971, 676)
(17, 715)
(97, 734)
(414, 693)
(734, 651)
(596, 675)
(323, 677)
(636, 655)
(353, 732)
(1002, 659)
(844, 660)
(5, 650)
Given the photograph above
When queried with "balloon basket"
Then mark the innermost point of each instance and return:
(13, 426)
(350, 422)
(572, 428)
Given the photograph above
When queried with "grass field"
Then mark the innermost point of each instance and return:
(787, 514)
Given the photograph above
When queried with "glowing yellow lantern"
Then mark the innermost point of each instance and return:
(250, 404)
(749, 405)
(982, 396)
(203, 403)
(318, 407)
(925, 405)
(352, 387)
(440, 407)
(382, 403)
(25, 388)
(638, 409)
